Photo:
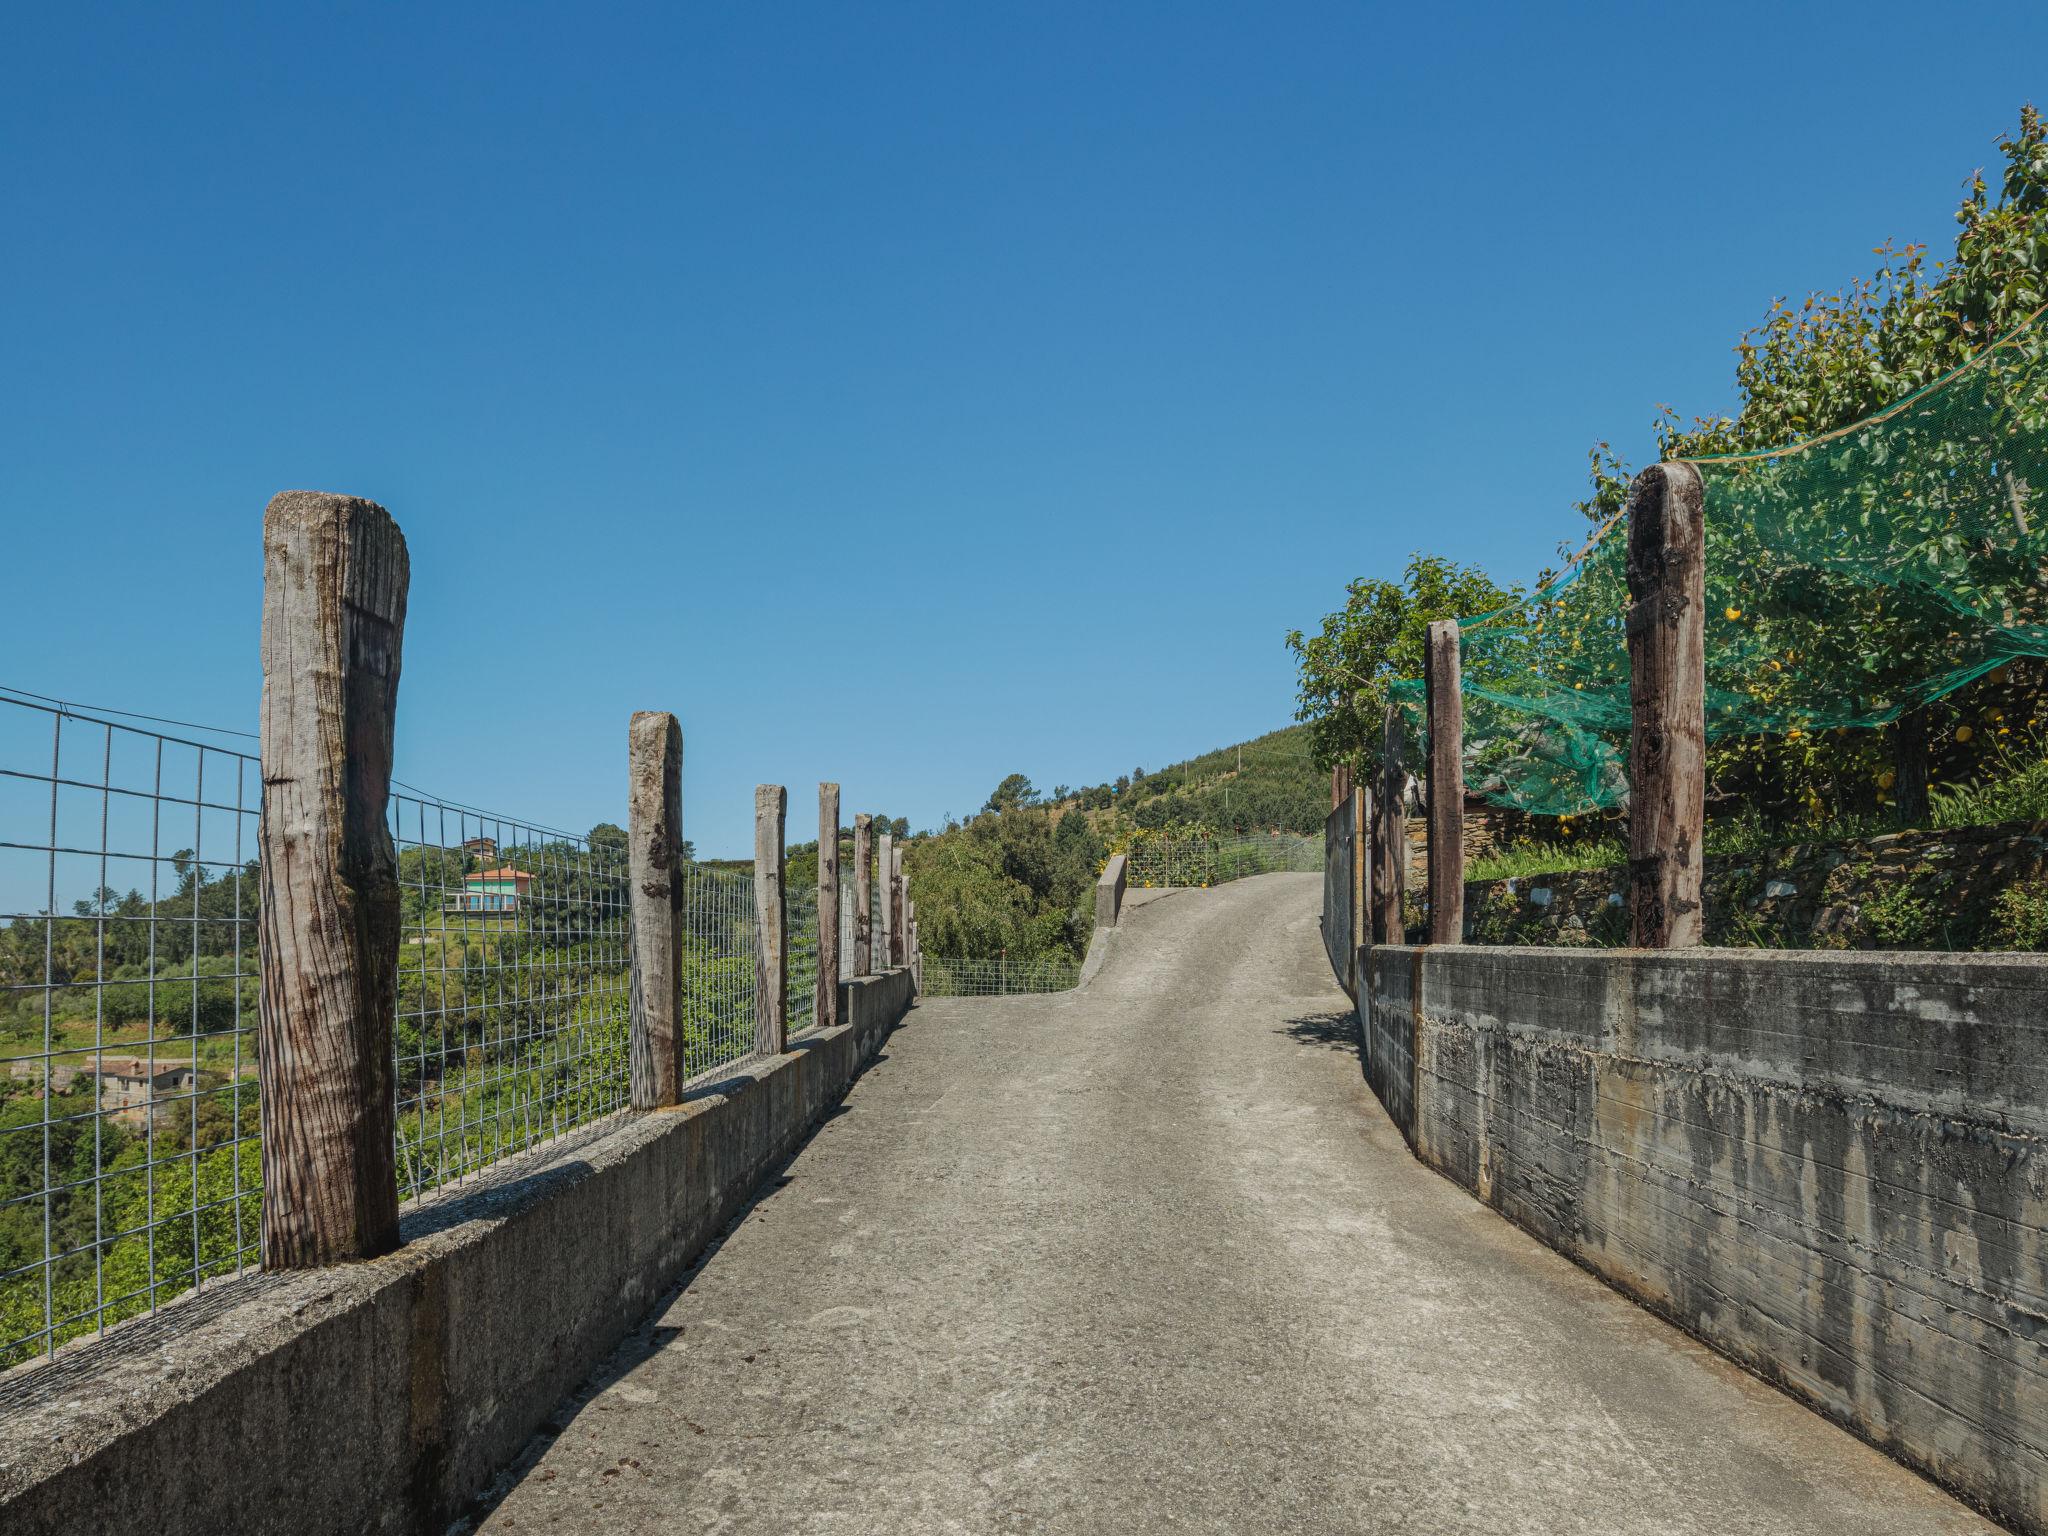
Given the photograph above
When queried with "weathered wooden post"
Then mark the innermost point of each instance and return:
(863, 895)
(899, 930)
(1361, 879)
(654, 812)
(827, 1010)
(1390, 838)
(1446, 786)
(884, 918)
(771, 910)
(335, 574)
(1667, 758)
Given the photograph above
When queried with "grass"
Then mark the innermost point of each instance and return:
(1524, 860)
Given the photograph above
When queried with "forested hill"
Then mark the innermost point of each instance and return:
(1270, 783)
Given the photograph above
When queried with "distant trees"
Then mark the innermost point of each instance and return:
(1013, 792)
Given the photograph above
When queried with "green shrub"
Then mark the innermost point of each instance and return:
(1901, 919)
(2019, 916)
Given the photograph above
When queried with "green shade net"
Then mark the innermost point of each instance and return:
(1850, 579)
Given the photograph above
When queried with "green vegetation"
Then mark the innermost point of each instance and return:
(1876, 606)
(510, 1028)
(1017, 881)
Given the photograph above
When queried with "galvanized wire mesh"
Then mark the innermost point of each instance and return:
(514, 987)
(128, 1161)
(1001, 977)
(130, 1166)
(802, 928)
(720, 937)
(1168, 860)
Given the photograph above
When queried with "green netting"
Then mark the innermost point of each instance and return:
(1850, 578)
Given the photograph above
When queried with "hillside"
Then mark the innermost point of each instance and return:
(1267, 784)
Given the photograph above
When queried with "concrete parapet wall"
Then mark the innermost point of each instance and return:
(384, 1396)
(1109, 891)
(1829, 1167)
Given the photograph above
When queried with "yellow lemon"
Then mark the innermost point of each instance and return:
(1963, 733)
(1884, 780)
(1733, 614)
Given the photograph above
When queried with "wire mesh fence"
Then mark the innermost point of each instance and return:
(801, 922)
(946, 976)
(1168, 860)
(514, 987)
(128, 1108)
(720, 938)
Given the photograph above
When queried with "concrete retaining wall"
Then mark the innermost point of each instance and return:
(1828, 1167)
(384, 1396)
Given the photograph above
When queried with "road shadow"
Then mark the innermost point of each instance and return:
(1332, 1031)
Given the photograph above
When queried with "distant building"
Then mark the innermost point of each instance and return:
(130, 1085)
(493, 890)
(481, 847)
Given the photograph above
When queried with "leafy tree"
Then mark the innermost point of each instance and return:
(1379, 636)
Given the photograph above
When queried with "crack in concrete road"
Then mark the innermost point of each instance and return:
(1148, 1256)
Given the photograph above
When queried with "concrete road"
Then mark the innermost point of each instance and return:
(1148, 1257)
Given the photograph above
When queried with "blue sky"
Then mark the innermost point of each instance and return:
(904, 395)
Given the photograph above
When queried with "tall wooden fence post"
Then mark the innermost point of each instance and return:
(771, 910)
(898, 929)
(654, 813)
(827, 1012)
(863, 895)
(1361, 879)
(335, 574)
(1390, 837)
(1446, 786)
(1667, 757)
(884, 918)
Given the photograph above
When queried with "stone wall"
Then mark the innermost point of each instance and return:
(1908, 890)
(1829, 1167)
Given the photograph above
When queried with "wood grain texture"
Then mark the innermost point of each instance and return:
(863, 894)
(884, 916)
(335, 574)
(1446, 786)
(771, 911)
(1390, 836)
(897, 896)
(654, 803)
(826, 1011)
(1667, 760)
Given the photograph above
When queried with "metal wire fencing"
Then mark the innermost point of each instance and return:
(801, 926)
(128, 1109)
(514, 987)
(1199, 861)
(720, 938)
(946, 976)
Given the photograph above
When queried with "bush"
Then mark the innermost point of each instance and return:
(2019, 917)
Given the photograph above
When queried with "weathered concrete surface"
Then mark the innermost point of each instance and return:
(1828, 1166)
(1109, 890)
(383, 1396)
(1148, 1257)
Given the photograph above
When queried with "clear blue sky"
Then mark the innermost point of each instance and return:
(901, 394)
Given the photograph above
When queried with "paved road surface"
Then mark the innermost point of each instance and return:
(1148, 1257)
